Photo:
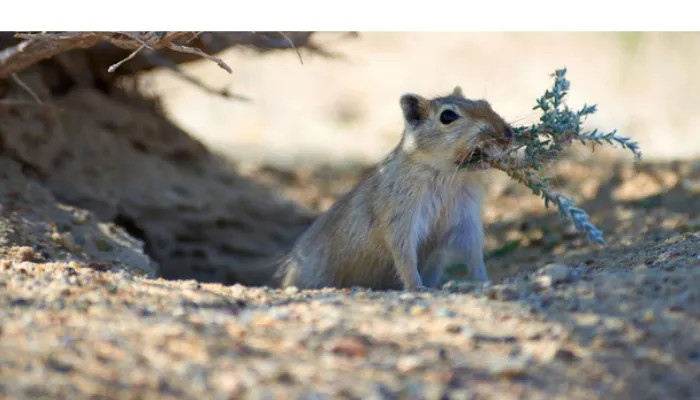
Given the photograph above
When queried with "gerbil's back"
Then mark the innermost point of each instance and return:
(344, 247)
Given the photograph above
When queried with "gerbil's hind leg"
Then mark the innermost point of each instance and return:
(405, 262)
(293, 272)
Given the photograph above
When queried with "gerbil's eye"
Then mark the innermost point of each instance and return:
(448, 116)
(509, 133)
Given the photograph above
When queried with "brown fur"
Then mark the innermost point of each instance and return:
(398, 227)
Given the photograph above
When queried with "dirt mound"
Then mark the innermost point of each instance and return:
(114, 154)
(36, 227)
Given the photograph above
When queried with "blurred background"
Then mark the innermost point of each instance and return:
(345, 109)
(302, 128)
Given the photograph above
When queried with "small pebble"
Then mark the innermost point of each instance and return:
(418, 310)
(509, 368)
(552, 274)
(291, 290)
(25, 253)
(565, 355)
(280, 314)
(228, 382)
(407, 296)
(350, 346)
(408, 363)
(102, 245)
(648, 316)
(97, 266)
(501, 293)
(443, 312)
(68, 241)
(191, 284)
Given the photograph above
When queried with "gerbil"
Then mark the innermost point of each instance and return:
(419, 209)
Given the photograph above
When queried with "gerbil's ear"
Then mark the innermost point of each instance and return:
(415, 108)
(457, 91)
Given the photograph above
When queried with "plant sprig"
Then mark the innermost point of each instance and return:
(543, 142)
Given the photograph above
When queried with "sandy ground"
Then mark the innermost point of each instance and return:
(615, 322)
(561, 319)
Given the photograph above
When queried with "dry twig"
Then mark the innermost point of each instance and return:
(156, 59)
(196, 51)
(291, 44)
(104, 51)
(39, 46)
(26, 88)
(133, 54)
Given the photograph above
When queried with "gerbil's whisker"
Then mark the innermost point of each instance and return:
(519, 119)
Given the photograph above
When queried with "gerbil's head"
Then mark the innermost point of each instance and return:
(453, 130)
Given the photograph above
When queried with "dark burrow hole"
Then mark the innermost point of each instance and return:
(131, 227)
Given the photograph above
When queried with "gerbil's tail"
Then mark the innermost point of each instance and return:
(264, 272)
